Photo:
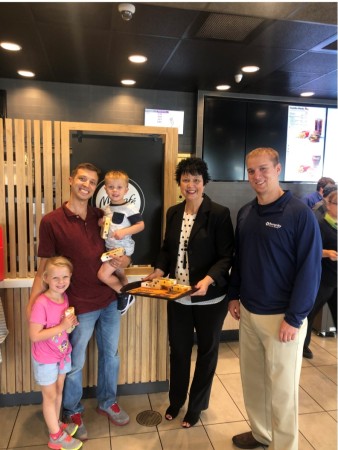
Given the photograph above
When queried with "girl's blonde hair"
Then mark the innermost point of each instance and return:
(56, 261)
(116, 174)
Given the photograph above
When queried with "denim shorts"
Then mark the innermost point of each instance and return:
(46, 374)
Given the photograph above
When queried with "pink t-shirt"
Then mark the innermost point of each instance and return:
(49, 314)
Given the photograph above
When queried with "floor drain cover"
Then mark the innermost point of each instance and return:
(149, 418)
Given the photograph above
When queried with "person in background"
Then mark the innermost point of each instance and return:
(274, 282)
(73, 231)
(314, 197)
(328, 284)
(197, 250)
(320, 207)
(51, 349)
(125, 220)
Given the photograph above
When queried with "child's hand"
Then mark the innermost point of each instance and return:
(119, 234)
(115, 261)
(69, 321)
(100, 222)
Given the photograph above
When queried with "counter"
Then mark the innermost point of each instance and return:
(143, 347)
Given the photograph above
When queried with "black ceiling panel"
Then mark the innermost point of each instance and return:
(313, 62)
(295, 35)
(78, 15)
(189, 46)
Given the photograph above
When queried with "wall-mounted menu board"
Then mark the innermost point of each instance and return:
(302, 134)
(305, 143)
(164, 118)
(331, 154)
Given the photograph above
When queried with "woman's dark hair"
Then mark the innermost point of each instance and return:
(194, 166)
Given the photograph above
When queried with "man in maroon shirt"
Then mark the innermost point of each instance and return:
(72, 231)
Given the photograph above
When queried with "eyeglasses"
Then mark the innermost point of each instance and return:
(333, 203)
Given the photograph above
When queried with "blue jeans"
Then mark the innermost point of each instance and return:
(106, 323)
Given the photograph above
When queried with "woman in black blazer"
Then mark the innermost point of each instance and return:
(197, 250)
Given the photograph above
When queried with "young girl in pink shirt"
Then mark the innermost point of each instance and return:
(49, 323)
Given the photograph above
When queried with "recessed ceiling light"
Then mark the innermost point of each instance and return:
(128, 82)
(139, 59)
(11, 46)
(250, 69)
(223, 87)
(307, 94)
(26, 73)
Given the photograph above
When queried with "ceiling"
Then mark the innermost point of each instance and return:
(190, 46)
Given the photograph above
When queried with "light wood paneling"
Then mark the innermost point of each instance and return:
(27, 158)
(37, 175)
(20, 204)
(11, 199)
(30, 201)
(34, 170)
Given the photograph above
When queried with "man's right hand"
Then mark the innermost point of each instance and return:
(234, 309)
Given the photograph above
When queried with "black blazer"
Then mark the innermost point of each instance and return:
(210, 246)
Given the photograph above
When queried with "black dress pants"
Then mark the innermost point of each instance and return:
(326, 294)
(207, 320)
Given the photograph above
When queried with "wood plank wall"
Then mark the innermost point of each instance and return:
(34, 171)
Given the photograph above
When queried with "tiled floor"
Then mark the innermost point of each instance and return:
(23, 427)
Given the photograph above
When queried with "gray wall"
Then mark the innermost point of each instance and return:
(234, 194)
(28, 99)
(101, 104)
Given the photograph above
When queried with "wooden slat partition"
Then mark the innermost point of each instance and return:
(48, 185)
(24, 166)
(21, 202)
(10, 220)
(37, 173)
(34, 171)
(57, 164)
(30, 201)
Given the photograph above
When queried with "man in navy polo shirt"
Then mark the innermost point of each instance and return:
(274, 282)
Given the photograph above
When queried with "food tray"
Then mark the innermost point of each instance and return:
(135, 288)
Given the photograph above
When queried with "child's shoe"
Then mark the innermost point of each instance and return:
(124, 302)
(76, 418)
(64, 442)
(69, 428)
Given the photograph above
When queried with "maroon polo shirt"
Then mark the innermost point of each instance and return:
(63, 233)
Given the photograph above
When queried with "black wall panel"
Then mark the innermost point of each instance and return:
(3, 104)
(224, 138)
(142, 159)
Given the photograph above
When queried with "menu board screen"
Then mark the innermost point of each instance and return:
(305, 136)
(164, 118)
(331, 154)
(305, 143)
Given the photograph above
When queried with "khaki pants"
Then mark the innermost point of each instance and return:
(270, 372)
